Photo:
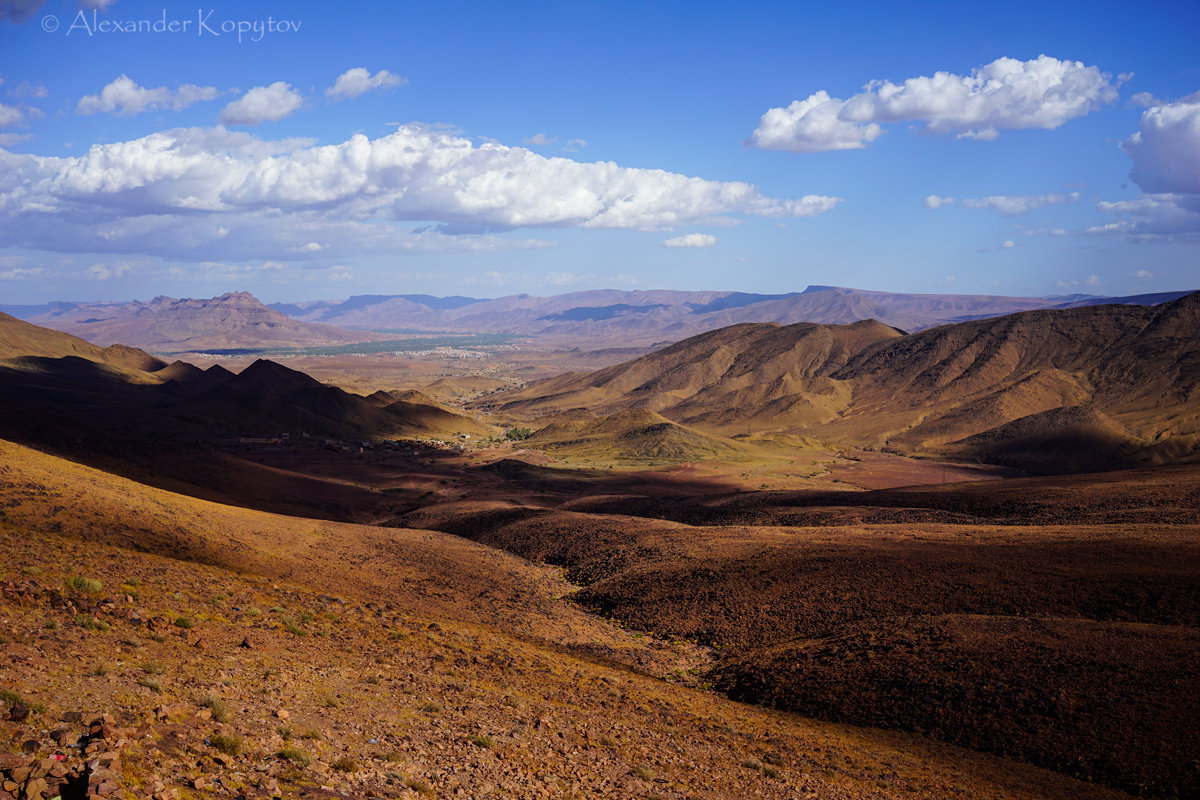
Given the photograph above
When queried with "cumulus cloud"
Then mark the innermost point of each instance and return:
(1143, 275)
(1144, 100)
(262, 104)
(1008, 244)
(540, 139)
(125, 97)
(357, 81)
(104, 272)
(933, 202)
(1166, 148)
(1152, 217)
(1005, 94)
(691, 240)
(1011, 205)
(230, 194)
(574, 145)
(10, 115)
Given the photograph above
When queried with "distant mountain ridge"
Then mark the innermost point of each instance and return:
(654, 316)
(167, 324)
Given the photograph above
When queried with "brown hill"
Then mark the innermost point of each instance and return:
(165, 324)
(871, 386)
(19, 338)
(634, 436)
(377, 663)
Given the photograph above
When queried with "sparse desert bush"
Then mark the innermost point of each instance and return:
(97, 671)
(220, 711)
(297, 757)
(345, 764)
(484, 741)
(311, 733)
(645, 772)
(153, 684)
(85, 585)
(752, 763)
(431, 707)
(418, 785)
(330, 702)
(228, 743)
(157, 637)
(517, 434)
(183, 622)
(153, 668)
(607, 741)
(131, 642)
(285, 733)
(52, 624)
(254, 611)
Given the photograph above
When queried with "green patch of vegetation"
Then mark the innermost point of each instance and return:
(311, 734)
(254, 611)
(517, 434)
(153, 684)
(644, 772)
(98, 671)
(157, 637)
(417, 785)
(431, 708)
(297, 757)
(220, 711)
(228, 743)
(607, 741)
(153, 668)
(183, 622)
(52, 624)
(85, 585)
(86, 621)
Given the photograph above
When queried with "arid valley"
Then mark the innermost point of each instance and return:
(806, 559)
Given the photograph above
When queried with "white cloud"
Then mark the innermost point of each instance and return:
(262, 104)
(9, 139)
(1011, 205)
(691, 240)
(1008, 244)
(1152, 217)
(27, 89)
(1005, 94)
(574, 145)
(104, 272)
(20, 273)
(1144, 100)
(933, 202)
(1143, 274)
(1166, 148)
(357, 81)
(1093, 280)
(101, 5)
(127, 98)
(10, 115)
(540, 139)
(310, 247)
(234, 196)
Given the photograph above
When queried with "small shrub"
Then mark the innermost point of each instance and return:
(345, 764)
(254, 611)
(311, 733)
(220, 711)
(228, 743)
(157, 637)
(98, 671)
(52, 624)
(431, 708)
(153, 668)
(752, 763)
(396, 636)
(131, 642)
(284, 732)
(773, 773)
(85, 585)
(372, 679)
(153, 684)
(517, 434)
(183, 622)
(607, 741)
(330, 702)
(133, 582)
(297, 757)
(85, 621)
(644, 772)
(484, 741)
(293, 628)
(418, 785)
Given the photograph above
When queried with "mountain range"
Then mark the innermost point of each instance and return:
(1094, 387)
(605, 317)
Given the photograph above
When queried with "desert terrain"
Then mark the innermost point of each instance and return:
(768, 560)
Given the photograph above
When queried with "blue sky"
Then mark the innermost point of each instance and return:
(489, 149)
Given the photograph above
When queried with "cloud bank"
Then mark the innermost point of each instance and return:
(232, 195)
(1005, 94)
